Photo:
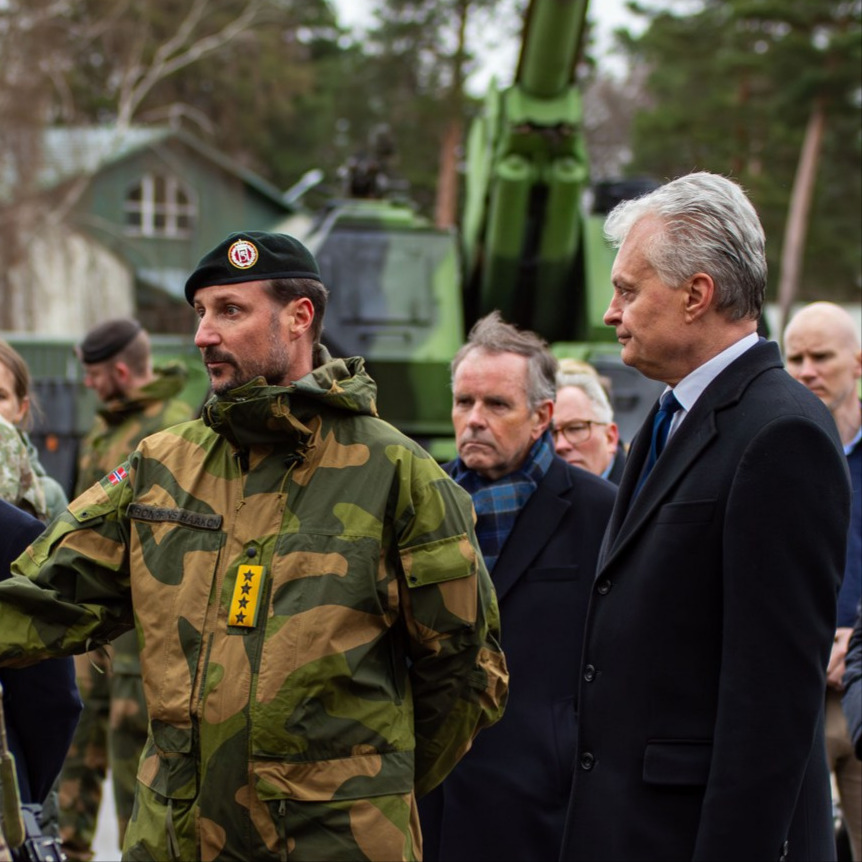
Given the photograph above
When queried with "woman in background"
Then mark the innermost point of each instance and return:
(16, 406)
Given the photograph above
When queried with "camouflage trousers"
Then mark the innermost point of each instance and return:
(112, 729)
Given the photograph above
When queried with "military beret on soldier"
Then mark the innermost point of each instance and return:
(252, 256)
(108, 339)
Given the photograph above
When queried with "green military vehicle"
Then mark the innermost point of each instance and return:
(404, 294)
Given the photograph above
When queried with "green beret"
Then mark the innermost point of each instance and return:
(108, 339)
(252, 256)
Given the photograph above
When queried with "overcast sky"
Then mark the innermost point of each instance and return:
(500, 59)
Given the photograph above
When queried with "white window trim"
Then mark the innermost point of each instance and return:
(171, 209)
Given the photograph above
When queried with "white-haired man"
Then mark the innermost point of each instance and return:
(712, 614)
(585, 434)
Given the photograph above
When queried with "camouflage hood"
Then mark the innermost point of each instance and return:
(168, 383)
(258, 414)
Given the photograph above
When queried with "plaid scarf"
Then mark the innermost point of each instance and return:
(499, 501)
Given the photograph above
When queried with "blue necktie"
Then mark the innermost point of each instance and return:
(660, 428)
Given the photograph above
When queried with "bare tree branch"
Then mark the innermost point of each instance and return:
(178, 52)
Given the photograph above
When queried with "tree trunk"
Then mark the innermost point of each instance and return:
(446, 205)
(793, 251)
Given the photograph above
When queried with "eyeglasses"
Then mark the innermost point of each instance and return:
(577, 432)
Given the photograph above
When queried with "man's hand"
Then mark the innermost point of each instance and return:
(835, 670)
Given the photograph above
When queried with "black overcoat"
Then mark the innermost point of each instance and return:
(710, 624)
(507, 798)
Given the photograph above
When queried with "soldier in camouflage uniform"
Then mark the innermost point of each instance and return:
(319, 634)
(136, 401)
(18, 482)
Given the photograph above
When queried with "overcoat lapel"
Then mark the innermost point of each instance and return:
(683, 449)
(681, 453)
(634, 464)
(533, 528)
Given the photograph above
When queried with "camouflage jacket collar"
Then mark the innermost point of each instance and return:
(168, 383)
(258, 414)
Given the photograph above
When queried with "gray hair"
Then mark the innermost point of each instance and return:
(493, 335)
(709, 226)
(591, 386)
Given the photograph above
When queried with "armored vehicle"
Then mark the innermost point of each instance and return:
(404, 293)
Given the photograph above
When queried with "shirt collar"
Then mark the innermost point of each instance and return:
(692, 386)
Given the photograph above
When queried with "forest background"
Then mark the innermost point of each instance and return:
(769, 93)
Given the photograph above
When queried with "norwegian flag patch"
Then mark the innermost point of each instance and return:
(119, 475)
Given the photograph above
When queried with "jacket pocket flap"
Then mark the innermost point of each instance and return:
(356, 777)
(677, 762)
(172, 775)
(94, 503)
(442, 560)
(687, 512)
(553, 573)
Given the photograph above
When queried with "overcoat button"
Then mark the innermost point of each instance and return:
(603, 586)
(587, 761)
(589, 673)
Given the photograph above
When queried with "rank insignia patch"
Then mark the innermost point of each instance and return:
(245, 604)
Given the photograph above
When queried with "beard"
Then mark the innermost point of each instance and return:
(115, 393)
(274, 367)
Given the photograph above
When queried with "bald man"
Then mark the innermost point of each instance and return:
(822, 351)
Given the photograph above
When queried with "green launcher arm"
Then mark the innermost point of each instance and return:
(524, 232)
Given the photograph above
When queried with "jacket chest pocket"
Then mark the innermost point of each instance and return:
(696, 512)
(173, 563)
(553, 574)
(328, 606)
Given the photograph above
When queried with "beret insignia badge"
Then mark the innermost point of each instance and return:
(243, 254)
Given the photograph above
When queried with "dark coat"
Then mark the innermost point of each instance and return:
(507, 798)
(852, 698)
(618, 465)
(40, 702)
(709, 631)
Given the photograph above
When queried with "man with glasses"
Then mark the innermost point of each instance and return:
(585, 434)
(539, 523)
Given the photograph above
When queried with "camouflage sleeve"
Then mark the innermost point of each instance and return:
(458, 671)
(70, 588)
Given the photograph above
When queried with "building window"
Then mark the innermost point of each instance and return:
(160, 205)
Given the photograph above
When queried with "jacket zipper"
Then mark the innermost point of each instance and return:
(282, 828)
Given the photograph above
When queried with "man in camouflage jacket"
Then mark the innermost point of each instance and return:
(319, 635)
(136, 400)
